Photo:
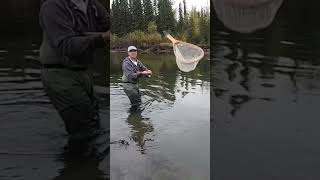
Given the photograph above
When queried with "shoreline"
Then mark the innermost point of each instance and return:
(163, 48)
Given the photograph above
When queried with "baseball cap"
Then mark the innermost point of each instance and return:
(131, 48)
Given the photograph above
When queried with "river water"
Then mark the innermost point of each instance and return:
(266, 98)
(33, 140)
(169, 139)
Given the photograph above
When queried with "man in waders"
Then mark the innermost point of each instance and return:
(72, 31)
(133, 69)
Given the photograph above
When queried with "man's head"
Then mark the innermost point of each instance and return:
(132, 51)
(246, 15)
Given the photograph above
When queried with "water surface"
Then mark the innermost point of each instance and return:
(169, 138)
(33, 140)
(266, 98)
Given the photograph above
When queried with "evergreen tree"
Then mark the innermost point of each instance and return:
(194, 26)
(157, 16)
(156, 11)
(155, 8)
(124, 17)
(166, 20)
(180, 21)
(115, 26)
(137, 16)
(185, 8)
(204, 26)
(148, 11)
(185, 15)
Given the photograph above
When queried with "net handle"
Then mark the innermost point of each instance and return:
(172, 39)
(175, 42)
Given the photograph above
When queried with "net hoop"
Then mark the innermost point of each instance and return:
(191, 45)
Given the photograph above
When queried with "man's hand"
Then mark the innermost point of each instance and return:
(147, 72)
(105, 35)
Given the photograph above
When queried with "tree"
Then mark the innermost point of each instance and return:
(137, 15)
(194, 26)
(155, 16)
(185, 15)
(180, 21)
(115, 26)
(166, 20)
(185, 8)
(204, 25)
(148, 11)
(152, 27)
(155, 8)
(124, 17)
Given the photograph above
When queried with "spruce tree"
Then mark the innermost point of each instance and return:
(137, 15)
(166, 20)
(124, 14)
(148, 12)
(180, 21)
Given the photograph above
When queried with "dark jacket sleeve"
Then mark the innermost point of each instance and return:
(142, 66)
(58, 25)
(103, 18)
(129, 72)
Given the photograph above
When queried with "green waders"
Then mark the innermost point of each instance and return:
(133, 92)
(71, 92)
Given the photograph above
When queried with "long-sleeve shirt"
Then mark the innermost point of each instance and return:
(131, 71)
(65, 27)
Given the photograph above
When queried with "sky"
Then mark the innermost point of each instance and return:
(192, 3)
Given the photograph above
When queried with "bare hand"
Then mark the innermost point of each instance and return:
(145, 72)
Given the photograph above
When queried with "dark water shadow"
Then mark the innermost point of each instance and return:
(265, 98)
(79, 167)
(140, 128)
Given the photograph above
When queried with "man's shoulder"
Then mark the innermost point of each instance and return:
(51, 2)
(126, 60)
(96, 2)
(139, 62)
(59, 4)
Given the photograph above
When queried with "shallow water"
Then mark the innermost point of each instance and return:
(32, 134)
(170, 137)
(266, 100)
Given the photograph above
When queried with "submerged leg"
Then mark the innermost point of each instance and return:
(133, 93)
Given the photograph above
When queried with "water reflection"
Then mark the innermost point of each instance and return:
(246, 16)
(157, 140)
(162, 86)
(266, 98)
(34, 143)
(77, 166)
(140, 128)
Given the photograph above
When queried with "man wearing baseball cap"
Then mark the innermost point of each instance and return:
(133, 70)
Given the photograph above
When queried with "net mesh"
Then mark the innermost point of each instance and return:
(187, 56)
